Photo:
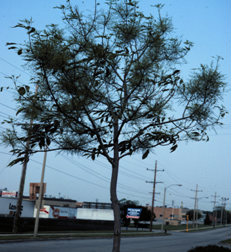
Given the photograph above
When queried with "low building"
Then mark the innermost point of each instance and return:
(170, 213)
(54, 201)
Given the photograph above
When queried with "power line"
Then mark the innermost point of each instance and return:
(14, 66)
(73, 176)
(7, 106)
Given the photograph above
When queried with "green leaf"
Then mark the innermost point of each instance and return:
(27, 88)
(19, 110)
(145, 154)
(12, 47)
(119, 51)
(48, 141)
(93, 154)
(173, 148)
(19, 51)
(130, 4)
(21, 91)
(31, 30)
(176, 72)
(15, 161)
(10, 44)
(101, 36)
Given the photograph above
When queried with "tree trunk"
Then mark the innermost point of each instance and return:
(114, 200)
(22, 181)
(20, 195)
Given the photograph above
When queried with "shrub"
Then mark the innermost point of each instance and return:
(210, 248)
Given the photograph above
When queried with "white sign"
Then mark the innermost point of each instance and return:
(13, 194)
(56, 212)
(8, 207)
(95, 214)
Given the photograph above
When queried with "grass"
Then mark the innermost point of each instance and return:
(227, 242)
(75, 235)
(180, 227)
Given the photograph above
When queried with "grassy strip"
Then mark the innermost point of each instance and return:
(178, 228)
(227, 242)
(76, 235)
(205, 228)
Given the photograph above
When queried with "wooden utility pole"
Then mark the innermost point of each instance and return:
(194, 212)
(153, 192)
(214, 210)
(222, 210)
(40, 194)
(225, 211)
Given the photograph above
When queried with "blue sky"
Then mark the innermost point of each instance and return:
(206, 23)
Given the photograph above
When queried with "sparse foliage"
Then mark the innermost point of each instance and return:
(109, 85)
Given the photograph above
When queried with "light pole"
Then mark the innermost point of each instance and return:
(165, 189)
(198, 210)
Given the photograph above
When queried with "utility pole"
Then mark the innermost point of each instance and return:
(194, 212)
(221, 209)
(215, 210)
(153, 192)
(198, 209)
(225, 199)
(40, 195)
(223, 204)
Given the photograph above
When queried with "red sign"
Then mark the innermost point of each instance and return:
(9, 194)
(56, 213)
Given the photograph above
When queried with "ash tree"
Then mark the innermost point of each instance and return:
(109, 85)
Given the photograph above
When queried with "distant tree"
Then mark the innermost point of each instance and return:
(190, 214)
(125, 204)
(225, 215)
(207, 220)
(109, 85)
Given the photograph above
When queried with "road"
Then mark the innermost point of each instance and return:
(177, 242)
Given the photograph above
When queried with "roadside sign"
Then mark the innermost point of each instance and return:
(13, 194)
(133, 213)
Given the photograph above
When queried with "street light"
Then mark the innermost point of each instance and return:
(165, 189)
(198, 209)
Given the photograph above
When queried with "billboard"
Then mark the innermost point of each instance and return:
(133, 213)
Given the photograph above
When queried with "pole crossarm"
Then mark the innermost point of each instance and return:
(153, 182)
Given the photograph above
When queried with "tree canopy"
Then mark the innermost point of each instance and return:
(110, 85)
(190, 214)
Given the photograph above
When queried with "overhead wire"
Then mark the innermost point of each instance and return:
(89, 182)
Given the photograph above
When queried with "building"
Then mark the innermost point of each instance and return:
(61, 202)
(170, 213)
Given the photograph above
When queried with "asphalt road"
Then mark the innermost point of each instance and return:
(177, 242)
